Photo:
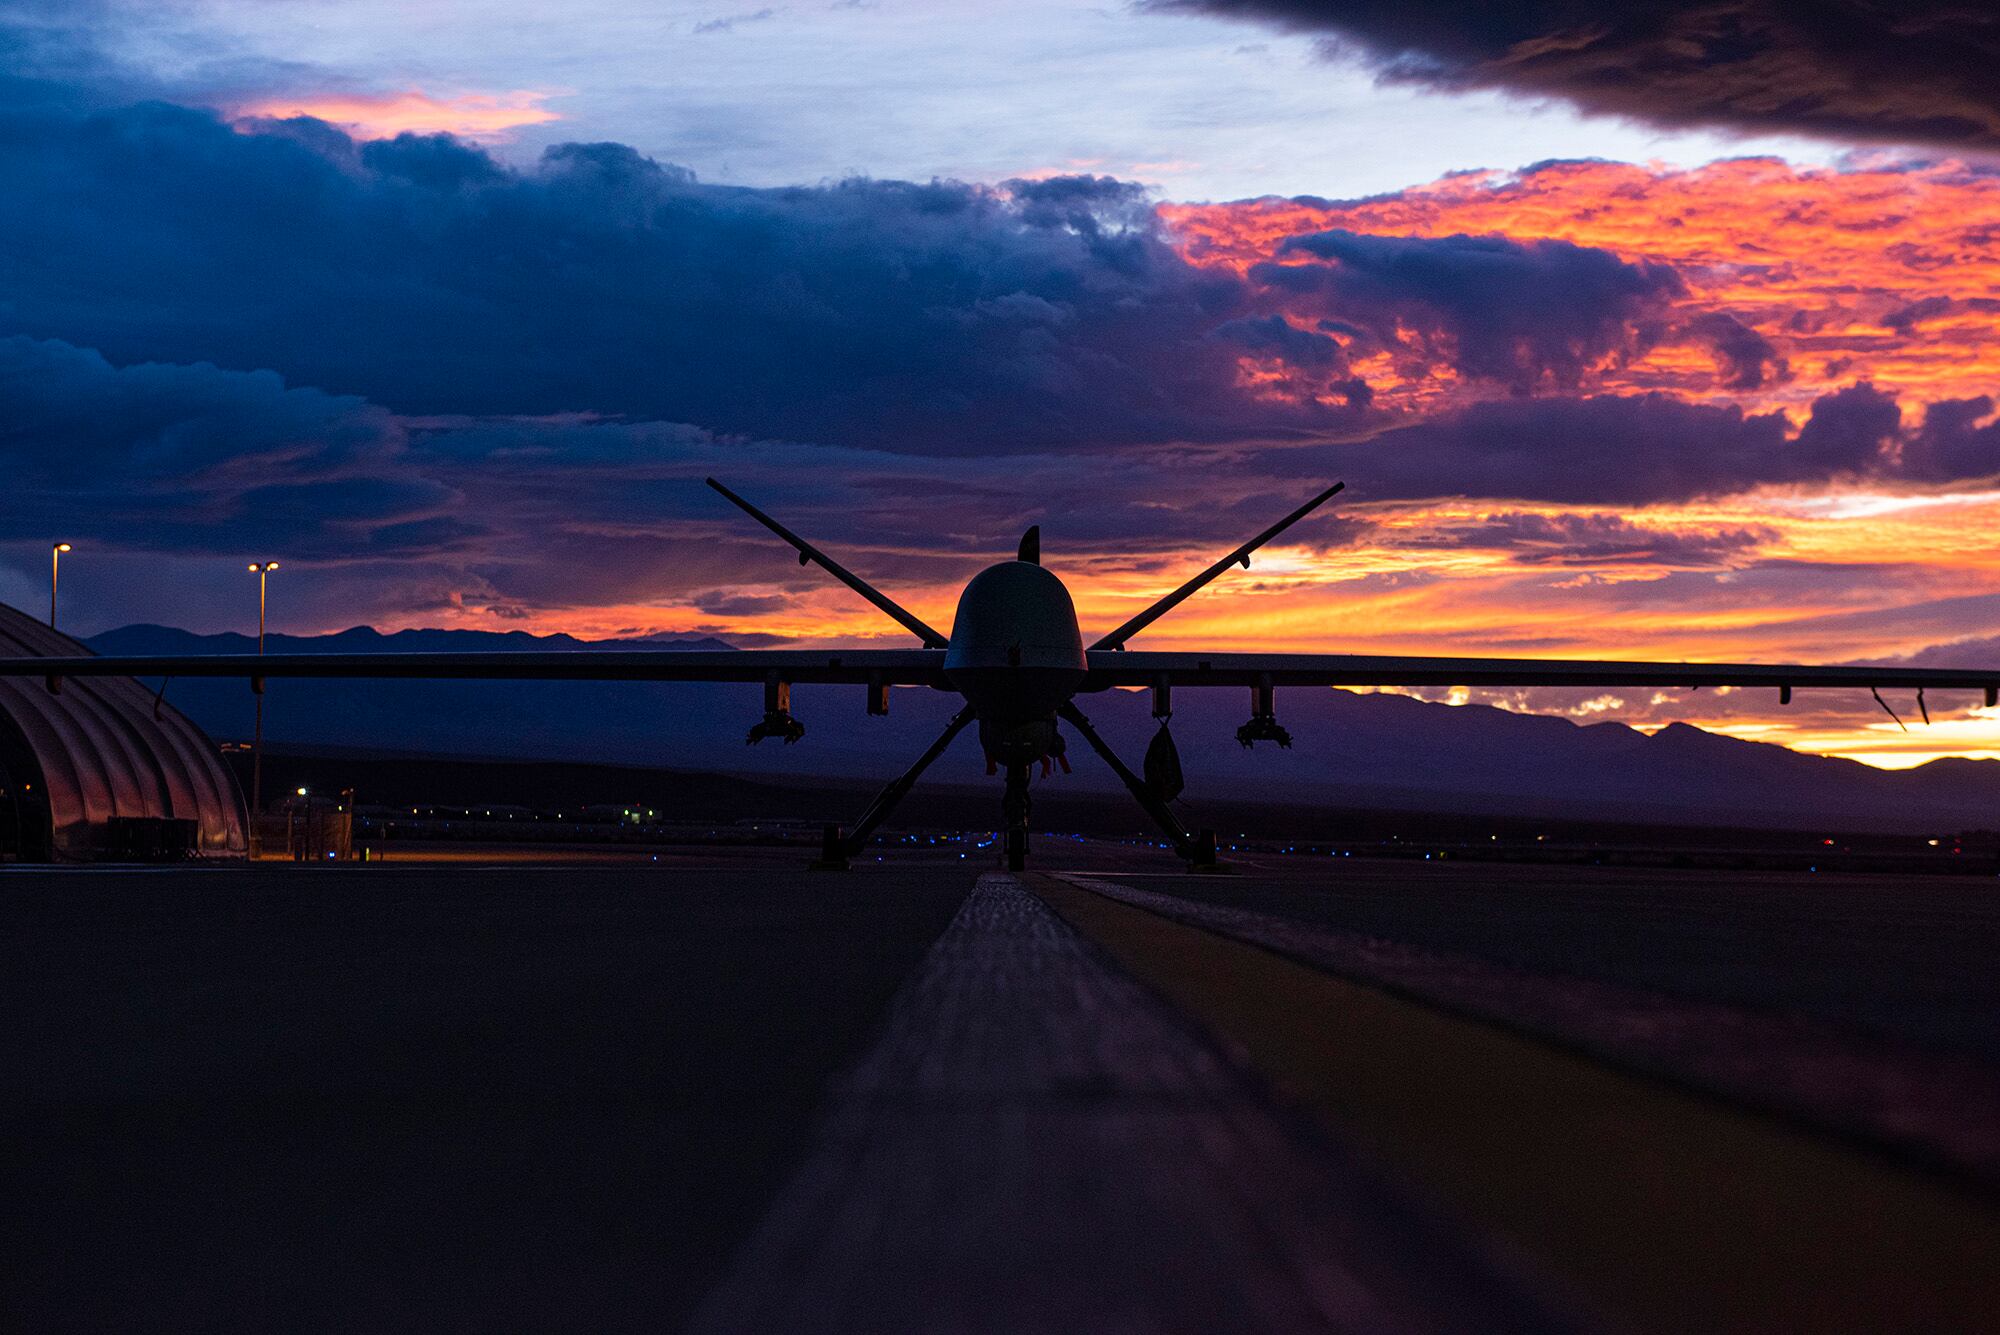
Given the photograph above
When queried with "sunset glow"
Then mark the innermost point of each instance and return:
(476, 116)
(1889, 273)
(466, 375)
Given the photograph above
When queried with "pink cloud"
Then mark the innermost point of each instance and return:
(477, 116)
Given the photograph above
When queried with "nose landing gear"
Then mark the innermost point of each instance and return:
(1014, 808)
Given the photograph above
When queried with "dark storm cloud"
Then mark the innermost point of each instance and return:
(723, 603)
(1745, 357)
(1275, 336)
(71, 418)
(1648, 449)
(1977, 652)
(1905, 319)
(1601, 540)
(195, 459)
(1959, 438)
(499, 389)
(1523, 313)
(198, 462)
(1911, 71)
(61, 55)
(50, 57)
(1311, 362)
(940, 318)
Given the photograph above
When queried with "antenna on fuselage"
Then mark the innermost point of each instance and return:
(1116, 639)
(809, 553)
(1031, 546)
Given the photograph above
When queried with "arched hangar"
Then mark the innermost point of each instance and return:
(103, 769)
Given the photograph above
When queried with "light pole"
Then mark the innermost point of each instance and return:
(55, 569)
(262, 570)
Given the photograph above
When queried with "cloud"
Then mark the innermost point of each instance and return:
(579, 511)
(475, 116)
(1601, 540)
(730, 22)
(1745, 357)
(441, 387)
(1653, 448)
(723, 603)
(1911, 72)
(1958, 438)
(425, 276)
(191, 462)
(1976, 652)
(422, 274)
(1524, 313)
(78, 55)
(196, 459)
(1795, 278)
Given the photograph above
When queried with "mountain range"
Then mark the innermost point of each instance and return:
(1351, 749)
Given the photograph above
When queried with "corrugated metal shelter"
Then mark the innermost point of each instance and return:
(104, 769)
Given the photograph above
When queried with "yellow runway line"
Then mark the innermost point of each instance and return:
(1658, 1209)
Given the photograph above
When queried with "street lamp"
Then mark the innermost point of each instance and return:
(55, 569)
(262, 570)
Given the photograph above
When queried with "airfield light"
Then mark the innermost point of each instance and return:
(302, 792)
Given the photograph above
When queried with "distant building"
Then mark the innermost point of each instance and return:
(618, 813)
(104, 770)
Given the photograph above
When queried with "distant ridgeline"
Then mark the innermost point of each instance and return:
(1357, 750)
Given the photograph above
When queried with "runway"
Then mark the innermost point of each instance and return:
(1362, 1096)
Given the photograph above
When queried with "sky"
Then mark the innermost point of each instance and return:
(1635, 330)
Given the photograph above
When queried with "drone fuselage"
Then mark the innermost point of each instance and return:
(1016, 654)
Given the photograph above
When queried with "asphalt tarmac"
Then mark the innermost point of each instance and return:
(1351, 1095)
(1908, 958)
(445, 1099)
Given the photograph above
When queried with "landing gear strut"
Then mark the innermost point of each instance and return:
(1198, 849)
(837, 848)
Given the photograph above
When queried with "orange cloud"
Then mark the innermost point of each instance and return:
(1891, 273)
(477, 116)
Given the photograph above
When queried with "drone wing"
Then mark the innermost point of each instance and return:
(1263, 671)
(887, 667)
